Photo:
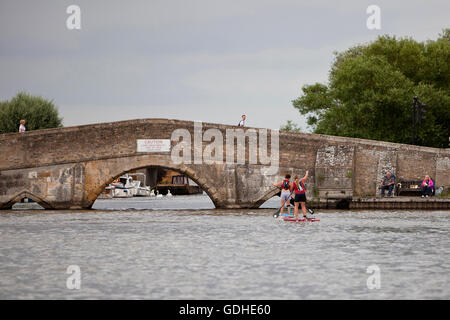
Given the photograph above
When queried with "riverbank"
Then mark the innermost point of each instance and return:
(204, 202)
(376, 203)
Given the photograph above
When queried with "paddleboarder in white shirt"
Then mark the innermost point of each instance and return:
(286, 191)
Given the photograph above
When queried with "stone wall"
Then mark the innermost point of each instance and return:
(69, 167)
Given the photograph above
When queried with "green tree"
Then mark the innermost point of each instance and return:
(38, 113)
(290, 126)
(371, 87)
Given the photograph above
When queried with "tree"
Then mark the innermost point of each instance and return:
(291, 127)
(38, 113)
(371, 87)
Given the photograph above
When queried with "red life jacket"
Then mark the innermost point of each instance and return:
(285, 184)
(299, 188)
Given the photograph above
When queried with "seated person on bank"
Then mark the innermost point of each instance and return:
(427, 187)
(388, 183)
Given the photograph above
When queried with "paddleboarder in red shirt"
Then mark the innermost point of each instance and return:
(300, 196)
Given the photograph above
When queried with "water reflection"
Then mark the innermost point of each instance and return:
(161, 251)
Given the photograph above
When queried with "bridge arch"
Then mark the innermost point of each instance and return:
(194, 173)
(267, 196)
(26, 194)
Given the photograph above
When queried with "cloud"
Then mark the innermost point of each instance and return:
(198, 60)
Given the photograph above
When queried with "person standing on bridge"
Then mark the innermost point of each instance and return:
(242, 122)
(286, 191)
(300, 195)
(22, 126)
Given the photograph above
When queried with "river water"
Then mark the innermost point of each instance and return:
(182, 248)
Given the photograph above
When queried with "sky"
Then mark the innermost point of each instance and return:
(200, 60)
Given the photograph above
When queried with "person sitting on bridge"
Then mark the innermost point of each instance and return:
(388, 183)
(427, 186)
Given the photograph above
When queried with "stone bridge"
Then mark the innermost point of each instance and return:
(67, 168)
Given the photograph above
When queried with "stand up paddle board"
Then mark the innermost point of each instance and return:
(290, 209)
(293, 219)
(289, 216)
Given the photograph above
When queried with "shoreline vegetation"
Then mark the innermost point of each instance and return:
(373, 85)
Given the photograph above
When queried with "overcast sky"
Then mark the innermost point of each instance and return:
(201, 60)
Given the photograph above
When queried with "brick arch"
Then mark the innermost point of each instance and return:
(266, 197)
(30, 195)
(192, 173)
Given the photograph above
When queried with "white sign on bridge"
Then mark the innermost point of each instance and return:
(153, 145)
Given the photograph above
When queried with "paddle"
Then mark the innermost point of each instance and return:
(277, 213)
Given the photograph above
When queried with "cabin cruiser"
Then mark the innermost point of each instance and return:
(123, 188)
(126, 187)
(138, 182)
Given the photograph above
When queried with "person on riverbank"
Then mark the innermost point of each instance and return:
(300, 196)
(427, 186)
(388, 183)
(286, 191)
(22, 126)
(242, 122)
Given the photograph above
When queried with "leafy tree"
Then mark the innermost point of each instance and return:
(38, 113)
(371, 87)
(290, 126)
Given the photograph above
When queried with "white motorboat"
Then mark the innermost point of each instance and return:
(121, 192)
(125, 187)
(142, 191)
(138, 182)
(108, 193)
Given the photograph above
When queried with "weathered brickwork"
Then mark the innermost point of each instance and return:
(334, 171)
(69, 167)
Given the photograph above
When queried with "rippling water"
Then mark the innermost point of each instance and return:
(160, 251)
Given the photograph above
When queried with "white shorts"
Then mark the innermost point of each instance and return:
(285, 195)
